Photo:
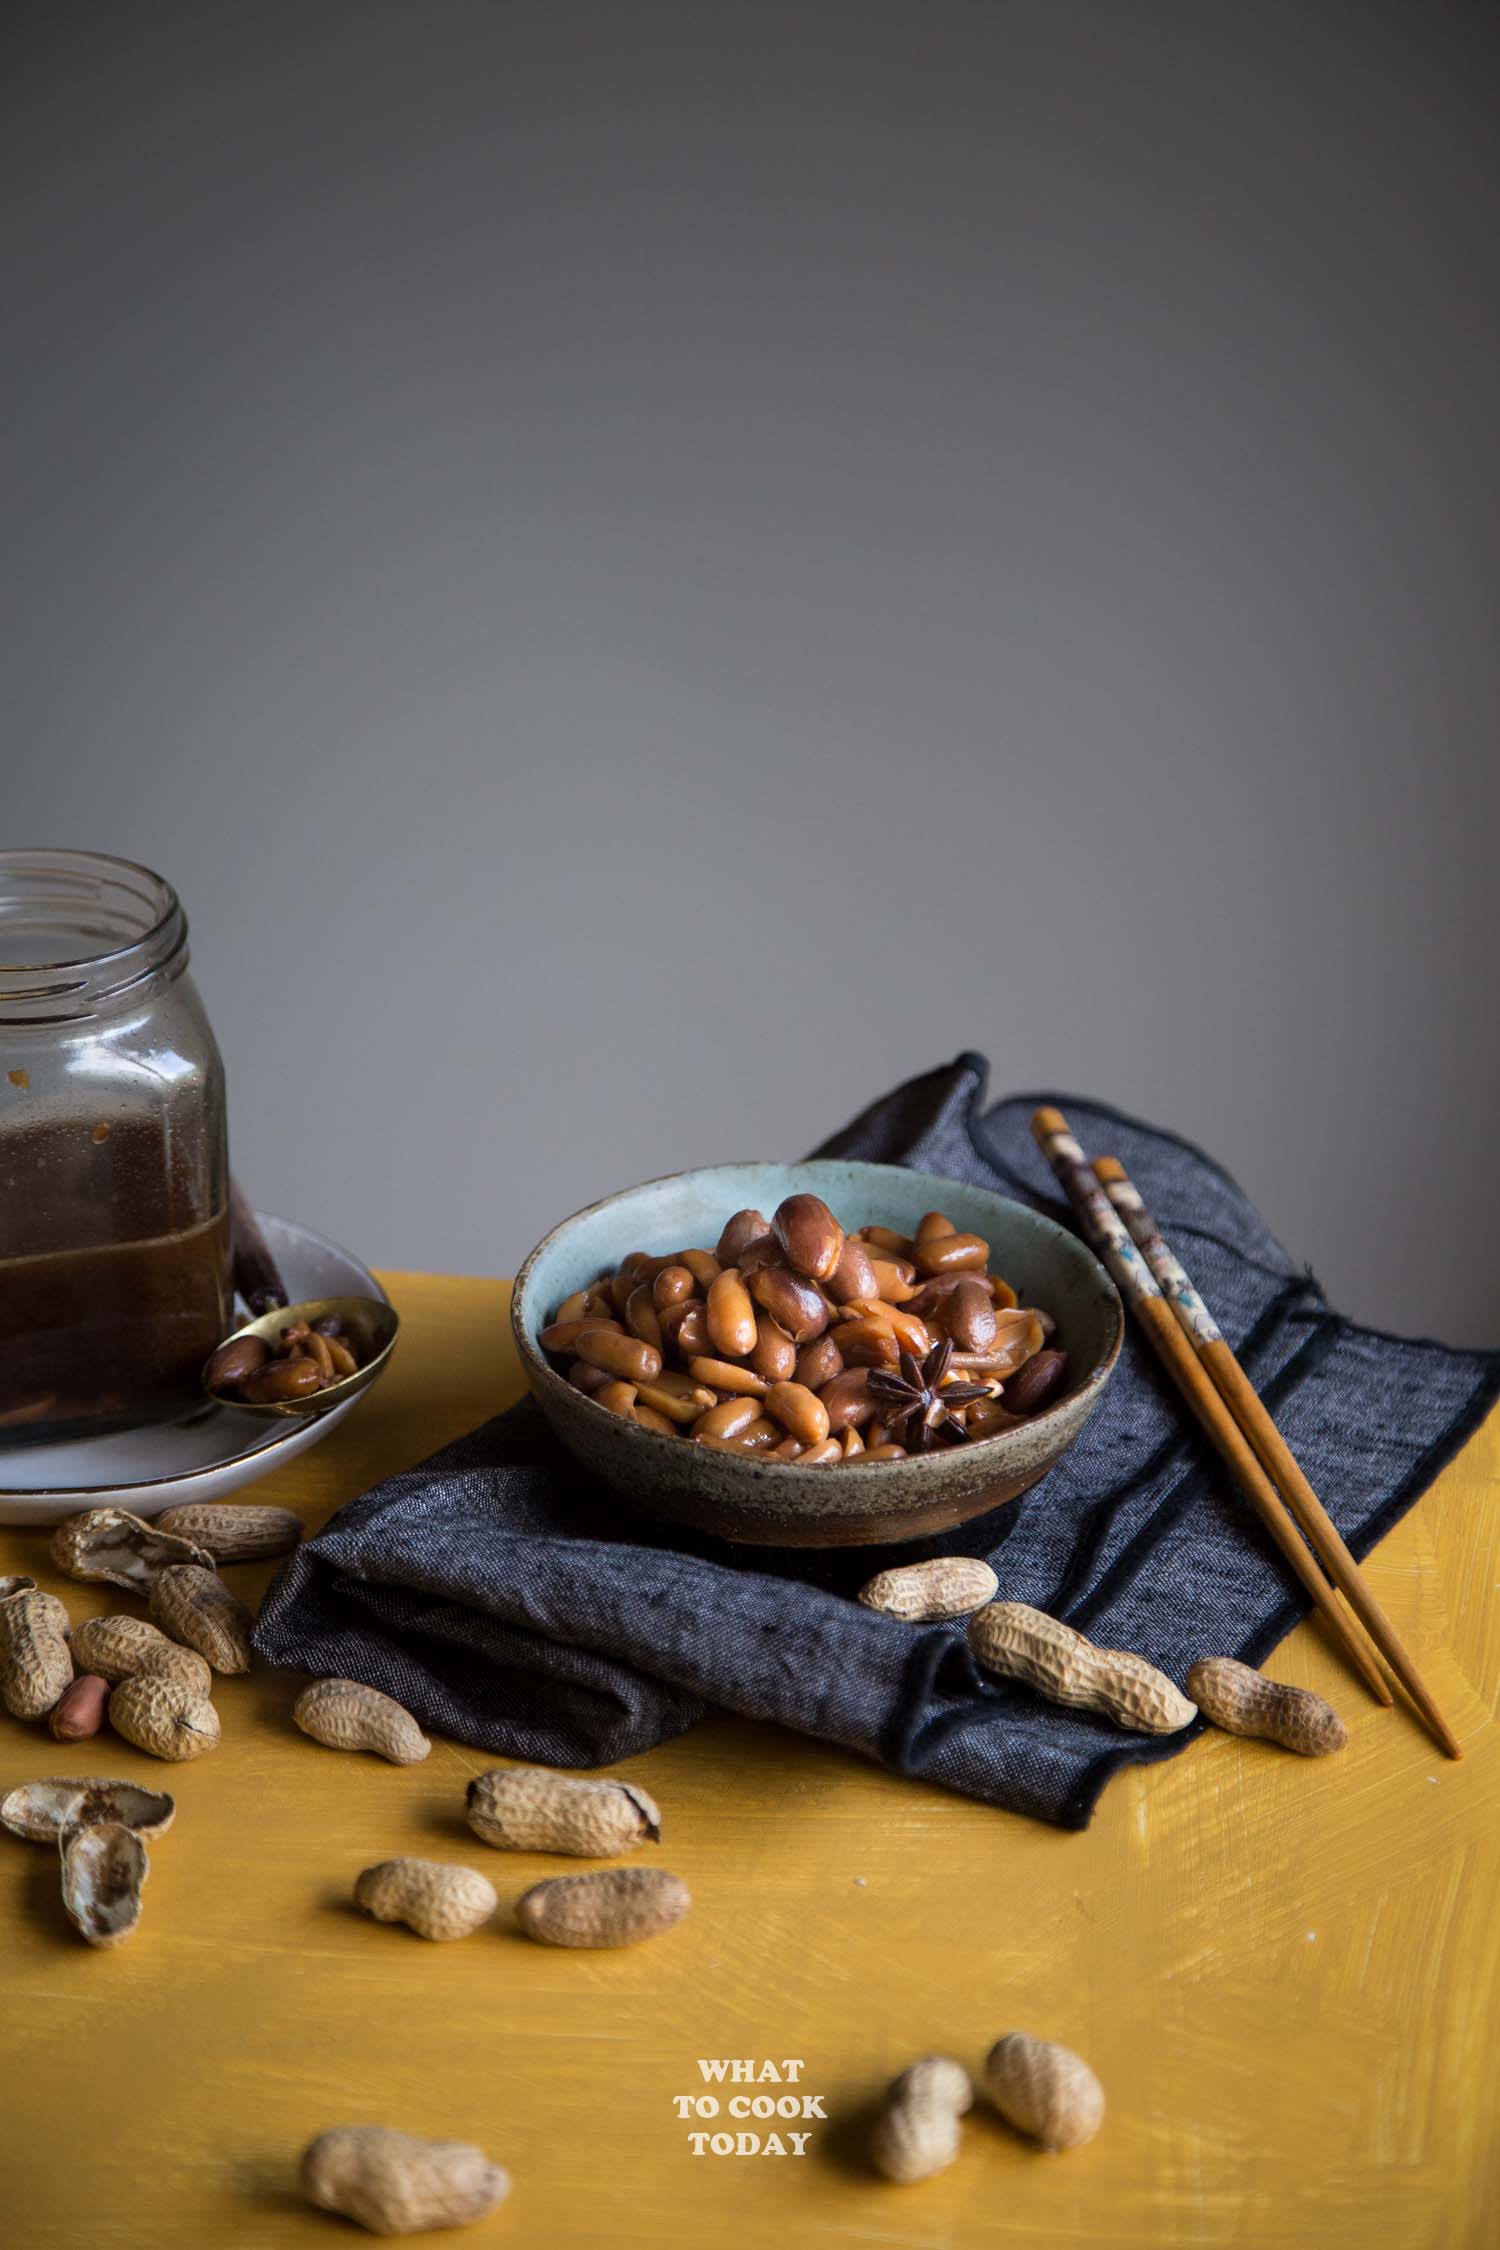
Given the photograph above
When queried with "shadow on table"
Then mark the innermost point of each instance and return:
(268, 2182)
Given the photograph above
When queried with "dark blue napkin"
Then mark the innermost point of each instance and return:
(512, 1603)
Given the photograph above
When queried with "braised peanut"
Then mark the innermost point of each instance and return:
(811, 1239)
(727, 1419)
(794, 1304)
(759, 1436)
(302, 1359)
(854, 1275)
(910, 1333)
(968, 1314)
(641, 1317)
(280, 1380)
(730, 1316)
(671, 1286)
(775, 1355)
(744, 1228)
(889, 1243)
(765, 1250)
(987, 1417)
(1018, 1338)
(675, 1406)
(1038, 1383)
(818, 1362)
(769, 1343)
(894, 1282)
(867, 1342)
(232, 1362)
(848, 1399)
(620, 1355)
(723, 1375)
(316, 1348)
(563, 1335)
(947, 1253)
(800, 1412)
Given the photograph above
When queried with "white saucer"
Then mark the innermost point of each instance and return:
(213, 1450)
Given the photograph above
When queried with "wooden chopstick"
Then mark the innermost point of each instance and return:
(1275, 1455)
(1107, 1234)
(256, 1274)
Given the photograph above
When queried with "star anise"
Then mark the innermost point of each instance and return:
(914, 1402)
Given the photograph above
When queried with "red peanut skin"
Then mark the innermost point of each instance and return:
(78, 1713)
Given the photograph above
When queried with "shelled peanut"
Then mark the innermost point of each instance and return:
(796, 1341)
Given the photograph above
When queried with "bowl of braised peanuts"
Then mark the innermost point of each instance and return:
(703, 1342)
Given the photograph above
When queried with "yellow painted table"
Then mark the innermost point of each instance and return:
(1285, 1973)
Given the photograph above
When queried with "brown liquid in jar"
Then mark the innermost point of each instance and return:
(115, 1328)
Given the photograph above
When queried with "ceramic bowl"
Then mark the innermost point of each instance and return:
(774, 1503)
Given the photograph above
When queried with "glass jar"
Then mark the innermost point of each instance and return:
(114, 1167)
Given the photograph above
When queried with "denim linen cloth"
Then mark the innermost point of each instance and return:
(512, 1603)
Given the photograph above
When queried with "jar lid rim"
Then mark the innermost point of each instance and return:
(80, 980)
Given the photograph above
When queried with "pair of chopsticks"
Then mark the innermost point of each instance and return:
(1182, 1333)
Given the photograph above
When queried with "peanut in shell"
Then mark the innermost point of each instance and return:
(234, 1532)
(191, 1603)
(1243, 1701)
(164, 1718)
(619, 1906)
(1021, 1643)
(531, 1809)
(944, 1586)
(35, 1666)
(119, 1646)
(432, 1897)
(345, 1715)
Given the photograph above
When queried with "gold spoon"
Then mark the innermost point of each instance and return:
(370, 1324)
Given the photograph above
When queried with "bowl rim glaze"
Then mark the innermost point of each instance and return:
(534, 1360)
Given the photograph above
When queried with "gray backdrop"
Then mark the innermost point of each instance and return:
(649, 569)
